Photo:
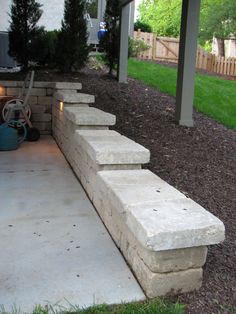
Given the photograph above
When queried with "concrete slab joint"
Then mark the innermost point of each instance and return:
(162, 234)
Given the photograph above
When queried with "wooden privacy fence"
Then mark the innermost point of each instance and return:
(167, 49)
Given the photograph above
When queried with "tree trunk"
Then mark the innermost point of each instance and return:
(220, 47)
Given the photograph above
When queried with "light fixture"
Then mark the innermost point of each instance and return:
(2, 91)
(61, 105)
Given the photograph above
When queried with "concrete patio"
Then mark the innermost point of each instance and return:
(54, 247)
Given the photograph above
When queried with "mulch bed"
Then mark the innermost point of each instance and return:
(199, 161)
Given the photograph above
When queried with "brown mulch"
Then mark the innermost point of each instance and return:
(199, 161)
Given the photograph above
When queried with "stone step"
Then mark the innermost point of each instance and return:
(111, 148)
(159, 216)
(74, 98)
(89, 116)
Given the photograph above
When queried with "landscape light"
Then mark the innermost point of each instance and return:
(61, 105)
(2, 91)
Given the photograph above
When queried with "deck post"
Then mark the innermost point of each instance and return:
(124, 38)
(187, 61)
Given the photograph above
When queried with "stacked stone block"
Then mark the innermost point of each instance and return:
(162, 234)
(40, 101)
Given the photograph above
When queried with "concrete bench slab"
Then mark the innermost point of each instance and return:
(138, 187)
(68, 85)
(72, 98)
(111, 150)
(161, 217)
(89, 116)
(174, 224)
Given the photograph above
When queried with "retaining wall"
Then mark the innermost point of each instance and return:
(162, 234)
(40, 100)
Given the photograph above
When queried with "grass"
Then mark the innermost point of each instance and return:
(214, 96)
(156, 306)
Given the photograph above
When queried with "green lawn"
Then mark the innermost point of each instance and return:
(155, 306)
(214, 96)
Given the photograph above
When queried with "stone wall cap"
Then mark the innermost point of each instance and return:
(93, 133)
(43, 84)
(67, 85)
(74, 97)
(160, 223)
(89, 116)
(105, 149)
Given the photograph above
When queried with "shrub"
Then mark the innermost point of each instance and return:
(144, 27)
(136, 46)
(43, 48)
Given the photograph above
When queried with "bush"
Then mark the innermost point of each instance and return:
(72, 49)
(136, 46)
(43, 48)
(144, 27)
(111, 39)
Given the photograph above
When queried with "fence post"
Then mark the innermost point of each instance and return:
(154, 40)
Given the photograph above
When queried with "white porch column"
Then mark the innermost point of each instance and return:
(187, 61)
(124, 45)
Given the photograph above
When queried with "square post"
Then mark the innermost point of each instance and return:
(124, 43)
(187, 62)
(131, 19)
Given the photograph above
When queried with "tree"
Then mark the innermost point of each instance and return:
(23, 29)
(72, 51)
(110, 41)
(162, 15)
(218, 19)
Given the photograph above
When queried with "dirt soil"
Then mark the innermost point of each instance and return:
(199, 161)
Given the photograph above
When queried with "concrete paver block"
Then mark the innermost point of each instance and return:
(161, 284)
(44, 84)
(75, 98)
(45, 100)
(38, 92)
(68, 85)
(8, 83)
(41, 117)
(92, 133)
(174, 224)
(13, 91)
(68, 91)
(89, 116)
(106, 149)
(155, 212)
